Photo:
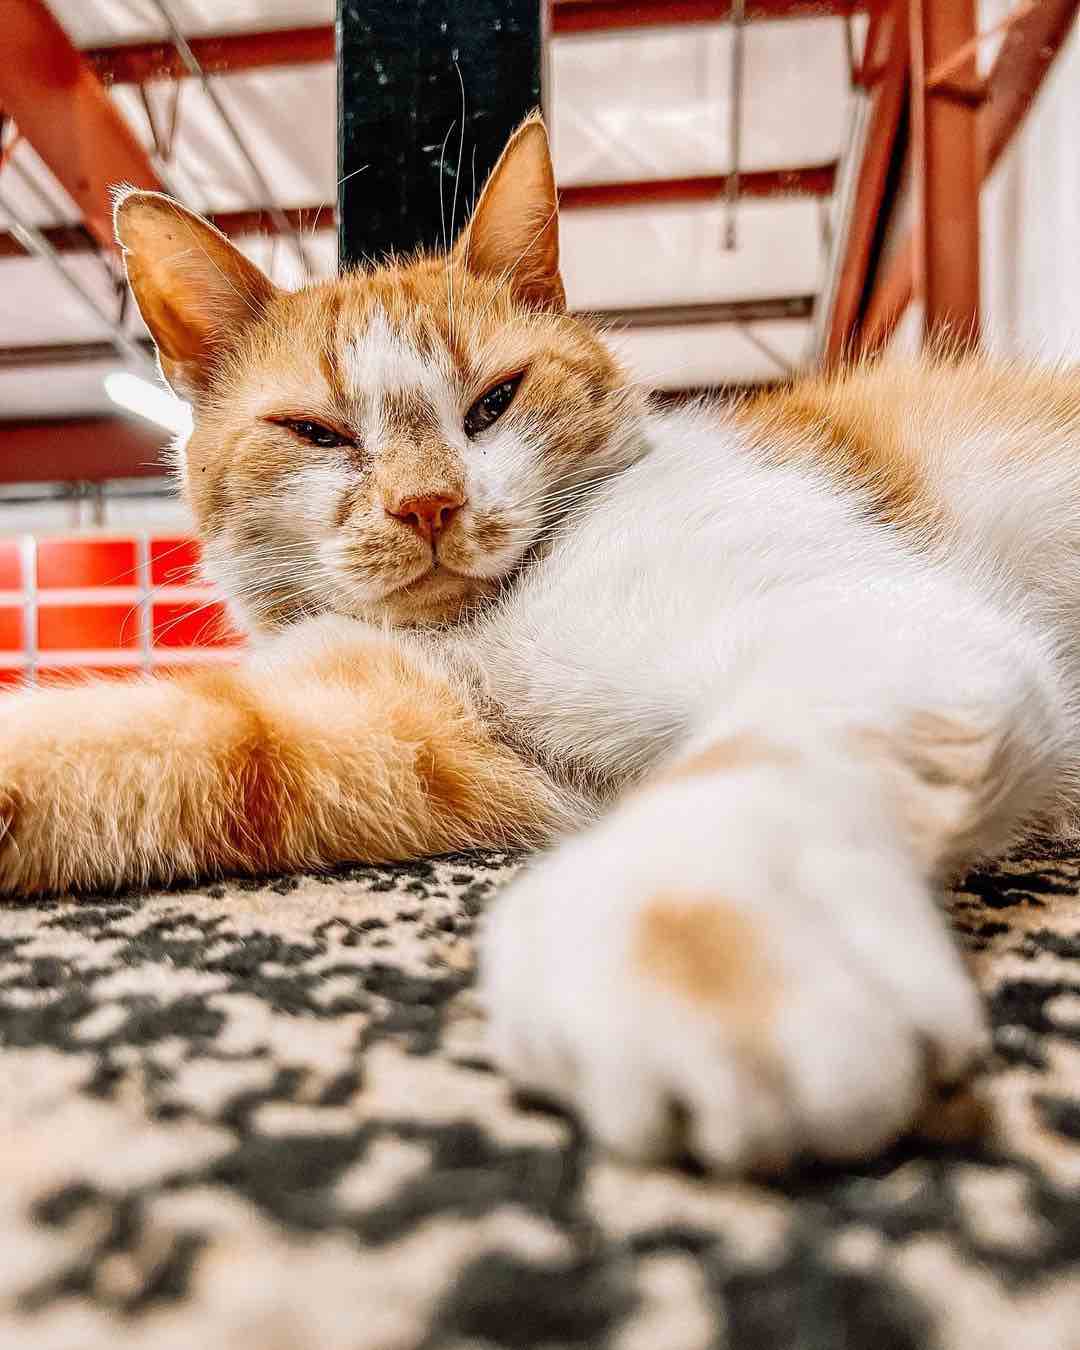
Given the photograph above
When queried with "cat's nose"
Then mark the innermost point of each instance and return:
(429, 513)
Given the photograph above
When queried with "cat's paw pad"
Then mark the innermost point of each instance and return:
(751, 1032)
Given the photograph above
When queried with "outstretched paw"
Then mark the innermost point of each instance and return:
(802, 1000)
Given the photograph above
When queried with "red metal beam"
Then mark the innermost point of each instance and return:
(74, 239)
(1019, 69)
(814, 181)
(1022, 63)
(946, 177)
(222, 53)
(891, 296)
(885, 66)
(85, 448)
(62, 109)
(592, 16)
(135, 63)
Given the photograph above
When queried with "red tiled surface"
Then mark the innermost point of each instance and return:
(86, 562)
(11, 628)
(10, 565)
(173, 562)
(193, 625)
(87, 627)
(76, 564)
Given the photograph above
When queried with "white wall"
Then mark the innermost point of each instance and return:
(1031, 220)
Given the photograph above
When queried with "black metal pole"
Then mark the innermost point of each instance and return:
(402, 68)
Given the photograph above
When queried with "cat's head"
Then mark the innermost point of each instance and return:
(393, 443)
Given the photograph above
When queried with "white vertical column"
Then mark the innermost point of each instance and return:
(146, 613)
(28, 550)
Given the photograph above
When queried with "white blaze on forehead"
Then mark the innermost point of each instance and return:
(382, 361)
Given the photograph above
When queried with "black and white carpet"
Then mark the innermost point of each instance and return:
(257, 1117)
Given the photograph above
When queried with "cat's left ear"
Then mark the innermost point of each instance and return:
(195, 290)
(514, 232)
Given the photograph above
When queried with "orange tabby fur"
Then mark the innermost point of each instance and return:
(224, 771)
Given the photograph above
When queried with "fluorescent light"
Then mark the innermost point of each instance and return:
(149, 401)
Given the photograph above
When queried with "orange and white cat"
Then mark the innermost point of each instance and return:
(768, 672)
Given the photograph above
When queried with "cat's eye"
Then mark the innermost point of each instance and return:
(315, 433)
(489, 407)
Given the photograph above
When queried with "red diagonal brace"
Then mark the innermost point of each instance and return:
(61, 108)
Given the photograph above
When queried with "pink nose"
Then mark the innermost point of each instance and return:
(429, 514)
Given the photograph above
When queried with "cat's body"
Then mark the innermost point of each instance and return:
(781, 667)
(738, 539)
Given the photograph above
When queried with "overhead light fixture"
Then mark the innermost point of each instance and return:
(149, 401)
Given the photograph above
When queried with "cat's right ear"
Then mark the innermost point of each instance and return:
(195, 290)
(513, 236)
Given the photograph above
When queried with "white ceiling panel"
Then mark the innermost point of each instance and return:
(656, 102)
(56, 391)
(650, 103)
(37, 306)
(93, 23)
(705, 355)
(628, 256)
(286, 117)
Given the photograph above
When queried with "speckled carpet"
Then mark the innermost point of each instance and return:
(257, 1117)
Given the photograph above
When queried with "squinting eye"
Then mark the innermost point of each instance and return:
(315, 433)
(490, 407)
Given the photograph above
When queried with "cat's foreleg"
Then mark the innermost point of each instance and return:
(750, 944)
(339, 745)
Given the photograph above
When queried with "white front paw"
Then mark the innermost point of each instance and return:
(754, 1003)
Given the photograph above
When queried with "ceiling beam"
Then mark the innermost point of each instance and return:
(813, 181)
(39, 355)
(63, 110)
(593, 16)
(233, 224)
(1022, 63)
(1031, 43)
(81, 449)
(721, 311)
(219, 54)
(231, 53)
(946, 172)
(884, 72)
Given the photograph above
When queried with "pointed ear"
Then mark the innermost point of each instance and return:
(194, 289)
(514, 231)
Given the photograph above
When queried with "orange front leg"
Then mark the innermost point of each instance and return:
(339, 745)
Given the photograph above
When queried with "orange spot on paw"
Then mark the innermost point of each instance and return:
(709, 952)
(742, 751)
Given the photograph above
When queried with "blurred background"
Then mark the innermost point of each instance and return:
(749, 189)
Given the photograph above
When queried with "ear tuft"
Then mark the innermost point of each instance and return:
(195, 290)
(514, 232)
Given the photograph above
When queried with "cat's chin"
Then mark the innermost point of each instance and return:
(439, 597)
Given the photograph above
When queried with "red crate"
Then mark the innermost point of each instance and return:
(87, 627)
(11, 628)
(189, 624)
(11, 571)
(174, 562)
(10, 677)
(86, 562)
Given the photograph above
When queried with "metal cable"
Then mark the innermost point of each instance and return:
(194, 66)
(738, 61)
